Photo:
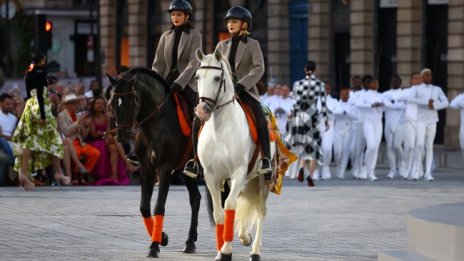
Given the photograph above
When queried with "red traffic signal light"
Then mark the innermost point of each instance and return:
(48, 26)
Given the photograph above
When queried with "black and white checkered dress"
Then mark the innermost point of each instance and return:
(303, 132)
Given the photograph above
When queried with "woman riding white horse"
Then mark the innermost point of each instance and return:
(225, 148)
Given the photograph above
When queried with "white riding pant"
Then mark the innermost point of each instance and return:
(394, 136)
(424, 143)
(342, 147)
(373, 136)
(409, 144)
(357, 148)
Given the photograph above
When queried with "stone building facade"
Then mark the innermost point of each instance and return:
(344, 38)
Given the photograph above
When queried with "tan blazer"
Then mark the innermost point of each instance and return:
(71, 129)
(249, 63)
(187, 63)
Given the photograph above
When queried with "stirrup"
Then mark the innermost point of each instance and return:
(191, 169)
(265, 168)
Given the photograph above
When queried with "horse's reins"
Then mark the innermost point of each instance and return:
(139, 123)
(210, 101)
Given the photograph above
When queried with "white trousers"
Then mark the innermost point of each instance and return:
(373, 136)
(394, 136)
(357, 148)
(327, 145)
(409, 145)
(342, 147)
(424, 143)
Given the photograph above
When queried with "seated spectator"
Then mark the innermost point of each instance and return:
(7, 126)
(7, 119)
(95, 90)
(112, 165)
(76, 128)
(19, 105)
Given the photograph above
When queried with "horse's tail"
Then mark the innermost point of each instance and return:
(209, 206)
(251, 205)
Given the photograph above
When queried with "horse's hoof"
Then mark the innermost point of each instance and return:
(154, 251)
(164, 239)
(248, 241)
(255, 257)
(189, 248)
(218, 257)
(226, 257)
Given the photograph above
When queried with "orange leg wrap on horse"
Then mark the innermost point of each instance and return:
(148, 225)
(229, 224)
(157, 228)
(219, 236)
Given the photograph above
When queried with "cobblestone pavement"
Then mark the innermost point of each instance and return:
(336, 220)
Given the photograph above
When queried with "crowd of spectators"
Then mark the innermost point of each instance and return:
(92, 155)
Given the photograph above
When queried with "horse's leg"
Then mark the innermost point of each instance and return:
(237, 181)
(214, 189)
(158, 237)
(263, 193)
(195, 199)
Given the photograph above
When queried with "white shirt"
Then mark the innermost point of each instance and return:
(458, 103)
(410, 112)
(7, 123)
(421, 95)
(332, 108)
(352, 101)
(89, 94)
(394, 109)
(364, 105)
(344, 118)
(285, 104)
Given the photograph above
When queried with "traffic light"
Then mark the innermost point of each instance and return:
(48, 34)
(43, 30)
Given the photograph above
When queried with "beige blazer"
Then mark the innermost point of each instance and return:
(187, 63)
(249, 63)
(71, 129)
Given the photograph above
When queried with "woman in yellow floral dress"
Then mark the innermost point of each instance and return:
(36, 134)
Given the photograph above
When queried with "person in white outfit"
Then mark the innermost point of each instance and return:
(343, 132)
(430, 99)
(282, 108)
(370, 105)
(394, 131)
(358, 144)
(327, 136)
(410, 121)
(458, 104)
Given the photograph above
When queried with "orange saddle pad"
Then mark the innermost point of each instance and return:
(182, 114)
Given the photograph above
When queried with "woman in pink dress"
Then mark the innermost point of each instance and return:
(112, 165)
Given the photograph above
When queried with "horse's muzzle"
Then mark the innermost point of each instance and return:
(203, 111)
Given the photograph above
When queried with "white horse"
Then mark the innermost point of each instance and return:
(225, 148)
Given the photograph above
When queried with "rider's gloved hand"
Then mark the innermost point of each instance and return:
(176, 87)
(239, 88)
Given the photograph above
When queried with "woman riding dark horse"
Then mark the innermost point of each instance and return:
(142, 98)
(175, 61)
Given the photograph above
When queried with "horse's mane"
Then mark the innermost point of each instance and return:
(149, 78)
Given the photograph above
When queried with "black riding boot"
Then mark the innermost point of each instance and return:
(193, 167)
(263, 134)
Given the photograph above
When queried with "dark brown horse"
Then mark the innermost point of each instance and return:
(141, 98)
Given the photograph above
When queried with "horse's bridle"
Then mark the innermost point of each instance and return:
(213, 103)
(137, 123)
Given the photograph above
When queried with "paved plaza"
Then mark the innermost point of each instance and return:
(336, 220)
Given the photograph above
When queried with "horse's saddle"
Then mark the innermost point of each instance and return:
(252, 122)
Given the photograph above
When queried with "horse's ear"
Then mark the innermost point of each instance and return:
(218, 55)
(200, 54)
(111, 79)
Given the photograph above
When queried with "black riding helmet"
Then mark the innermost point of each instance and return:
(240, 13)
(181, 5)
